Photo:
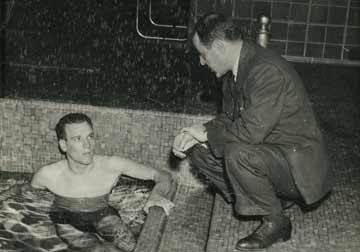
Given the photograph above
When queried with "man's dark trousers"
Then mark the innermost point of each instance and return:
(256, 177)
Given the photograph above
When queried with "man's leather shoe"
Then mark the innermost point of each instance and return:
(269, 232)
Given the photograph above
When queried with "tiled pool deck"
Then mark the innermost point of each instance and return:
(201, 223)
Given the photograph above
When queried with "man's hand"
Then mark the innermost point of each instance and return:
(182, 143)
(197, 131)
(157, 200)
(188, 137)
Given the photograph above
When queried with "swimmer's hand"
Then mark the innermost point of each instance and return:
(157, 200)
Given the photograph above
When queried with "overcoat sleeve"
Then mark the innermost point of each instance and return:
(264, 100)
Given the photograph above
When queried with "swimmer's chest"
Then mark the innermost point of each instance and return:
(89, 185)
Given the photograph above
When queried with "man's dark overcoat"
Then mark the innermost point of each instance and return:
(268, 104)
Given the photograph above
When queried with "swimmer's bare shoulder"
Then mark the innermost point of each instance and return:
(47, 175)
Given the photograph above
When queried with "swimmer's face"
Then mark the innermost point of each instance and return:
(79, 144)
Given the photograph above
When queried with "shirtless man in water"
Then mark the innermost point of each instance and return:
(82, 183)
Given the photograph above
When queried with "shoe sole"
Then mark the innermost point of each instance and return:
(283, 239)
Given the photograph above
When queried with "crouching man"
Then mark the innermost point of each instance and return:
(265, 149)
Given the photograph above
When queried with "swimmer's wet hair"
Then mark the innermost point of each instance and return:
(70, 119)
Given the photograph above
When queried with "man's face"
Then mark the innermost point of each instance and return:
(213, 57)
(79, 144)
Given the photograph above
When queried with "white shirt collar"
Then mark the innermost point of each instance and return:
(236, 65)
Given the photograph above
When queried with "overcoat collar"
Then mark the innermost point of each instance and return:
(246, 55)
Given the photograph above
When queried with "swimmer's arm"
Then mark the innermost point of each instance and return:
(165, 184)
(164, 180)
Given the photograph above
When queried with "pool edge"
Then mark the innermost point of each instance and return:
(153, 228)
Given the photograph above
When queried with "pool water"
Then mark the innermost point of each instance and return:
(24, 216)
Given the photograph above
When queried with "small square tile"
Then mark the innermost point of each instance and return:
(319, 14)
(243, 9)
(316, 33)
(354, 16)
(295, 49)
(279, 31)
(314, 50)
(297, 32)
(281, 11)
(337, 15)
(334, 34)
(299, 12)
(353, 36)
(333, 52)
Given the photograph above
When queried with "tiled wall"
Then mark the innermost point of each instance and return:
(28, 139)
(323, 29)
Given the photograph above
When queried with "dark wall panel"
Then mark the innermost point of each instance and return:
(89, 51)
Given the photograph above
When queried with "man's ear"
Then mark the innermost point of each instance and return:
(219, 45)
(62, 145)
